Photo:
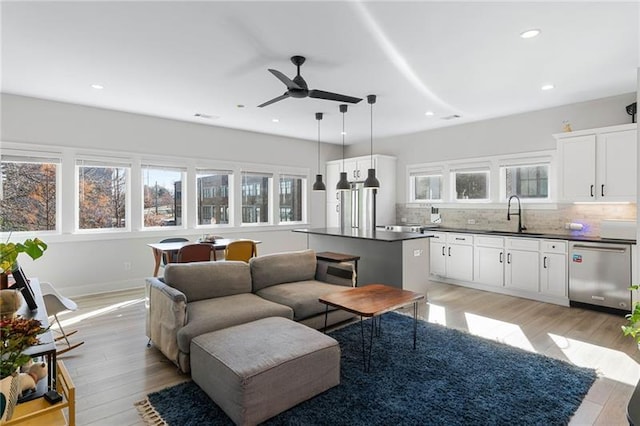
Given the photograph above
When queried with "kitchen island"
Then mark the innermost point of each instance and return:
(398, 259)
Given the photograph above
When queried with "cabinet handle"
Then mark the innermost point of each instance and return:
(461, 239)
(443, 251)
(602, 190)
(449, 251)
(591, 191)
(338, 196)
(337, 208)
(354, 174)
(359, 175)
(544, 262)
(509, 258)
(501, 256)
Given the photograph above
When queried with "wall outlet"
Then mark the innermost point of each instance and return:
(127, 266)
(403, 219)
(417, 252)
(471, 221)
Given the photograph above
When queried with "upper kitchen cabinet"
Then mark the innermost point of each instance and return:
(356, 169)
(598, 164)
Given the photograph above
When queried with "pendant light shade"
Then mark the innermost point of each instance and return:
(343, 183)
(319, 184)
(371, 182)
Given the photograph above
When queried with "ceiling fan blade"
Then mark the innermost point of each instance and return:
(321, 94)
(279, 98)
(286, 80)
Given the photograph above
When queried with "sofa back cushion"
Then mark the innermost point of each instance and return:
(206, 280)
(281, 268)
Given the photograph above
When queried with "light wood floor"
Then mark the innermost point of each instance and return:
(114, 368)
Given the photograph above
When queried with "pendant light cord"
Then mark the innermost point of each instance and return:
(343, 141)
(318, 146)
(371, 121)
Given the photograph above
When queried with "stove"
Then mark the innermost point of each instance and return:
(407, 227)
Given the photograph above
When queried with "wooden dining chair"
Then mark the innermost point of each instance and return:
(198, 252)
(241, 250)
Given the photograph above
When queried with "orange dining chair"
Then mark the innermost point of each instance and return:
(199, 252)
(240, 250)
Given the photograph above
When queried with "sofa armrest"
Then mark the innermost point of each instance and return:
(166, 310)
(342, 273)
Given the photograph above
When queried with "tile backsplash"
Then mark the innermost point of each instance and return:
(550, 221)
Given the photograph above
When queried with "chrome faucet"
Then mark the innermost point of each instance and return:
(519, 214)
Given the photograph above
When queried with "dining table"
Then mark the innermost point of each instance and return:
(171, 248)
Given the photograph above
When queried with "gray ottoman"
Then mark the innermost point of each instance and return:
(256, 370)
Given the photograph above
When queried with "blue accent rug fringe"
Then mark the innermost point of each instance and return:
(451, 378)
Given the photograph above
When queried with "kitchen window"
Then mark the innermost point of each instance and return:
(471, 185)
(529, 181)
(212, 192)
(425, 186)
(28, 193)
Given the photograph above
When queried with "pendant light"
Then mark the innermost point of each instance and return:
(319, 185)
(343, 183)
(371, 182)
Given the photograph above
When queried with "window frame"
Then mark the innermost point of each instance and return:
(145, 165)
(271, 182)
(304, 194)
(528, 161)
(213, 170)
(486, 170)
(426, 172)
(35, 157)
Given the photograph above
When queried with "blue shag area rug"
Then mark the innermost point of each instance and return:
(451, 378)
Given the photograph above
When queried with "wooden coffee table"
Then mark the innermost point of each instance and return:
(371, 301)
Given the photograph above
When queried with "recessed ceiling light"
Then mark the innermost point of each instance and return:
(547, 86)
(530, 33)
(275, 120)
(240, 106)
(207, 116)
(429, 113)
(343, 133)
(97, 86)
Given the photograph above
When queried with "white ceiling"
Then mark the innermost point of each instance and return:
(175, 59)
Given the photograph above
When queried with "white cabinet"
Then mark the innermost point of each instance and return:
(553, 268)
(521, 269)
(451, 256)
(598, 164)
(488, 260)
(356, 169)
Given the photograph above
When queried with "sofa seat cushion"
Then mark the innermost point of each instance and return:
(205, 280)
(214, 314)
(301, 296)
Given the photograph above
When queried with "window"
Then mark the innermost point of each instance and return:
(526, 181)
(425, 186)
(162, 195)
(471, 185)
(292, 189)
(102, 194)
(28, 192)
(212, 188)
(255, 197)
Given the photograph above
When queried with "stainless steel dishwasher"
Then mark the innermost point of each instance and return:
(600, 275)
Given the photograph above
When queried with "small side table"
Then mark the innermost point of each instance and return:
(329, 256)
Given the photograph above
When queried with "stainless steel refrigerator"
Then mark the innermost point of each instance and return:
(358, 207)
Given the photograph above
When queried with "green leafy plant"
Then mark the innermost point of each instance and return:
(18, 334)
(633, 327)
(9, 252)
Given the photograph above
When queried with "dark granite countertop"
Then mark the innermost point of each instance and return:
(377, 235)
(569, 237)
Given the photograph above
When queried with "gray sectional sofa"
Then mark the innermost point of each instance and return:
(196, 298)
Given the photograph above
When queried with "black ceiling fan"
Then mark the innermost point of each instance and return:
(297, 88)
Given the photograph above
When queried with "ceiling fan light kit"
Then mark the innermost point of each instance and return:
(343, 183)
(319, 185)
(371, 182)
(298, 88)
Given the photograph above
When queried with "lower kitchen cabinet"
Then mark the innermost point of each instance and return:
(521, 269)
(451, 256)
(488, 260)
(553, 269)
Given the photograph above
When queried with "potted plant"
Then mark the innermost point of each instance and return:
(9, 254)
(18, 334)
(633, 327)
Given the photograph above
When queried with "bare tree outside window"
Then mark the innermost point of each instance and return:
(102, 197)
(161, 196)
(472, 185)
(29, 192)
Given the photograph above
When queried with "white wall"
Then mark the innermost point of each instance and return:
(84, 264)
(525, 132)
